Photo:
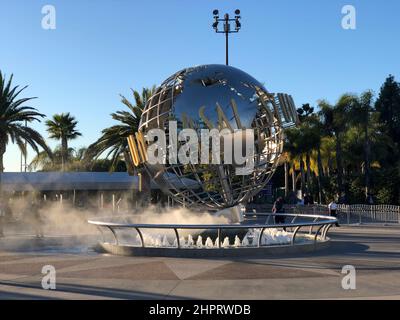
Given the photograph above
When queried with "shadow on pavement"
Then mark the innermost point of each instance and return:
(99, 292)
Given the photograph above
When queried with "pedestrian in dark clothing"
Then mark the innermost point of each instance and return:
(278, 209)
(308, 199)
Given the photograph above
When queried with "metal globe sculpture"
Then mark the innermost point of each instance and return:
(222, 97)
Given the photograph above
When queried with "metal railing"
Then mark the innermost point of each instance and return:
(348, 214)
(316, 209)
(362, 213)
(323, 224)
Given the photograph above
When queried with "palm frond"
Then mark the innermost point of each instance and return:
(13, 114)
(113, 141)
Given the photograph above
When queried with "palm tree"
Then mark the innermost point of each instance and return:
(63, 127)
(286, 164)
(43, 162)
(308, 128)
(295, 147)
(78, 161)
(361, 115)
(336, 120)
(313, 131)
(14, 116)
(113, 140)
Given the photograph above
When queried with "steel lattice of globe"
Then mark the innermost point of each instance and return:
(198, 90)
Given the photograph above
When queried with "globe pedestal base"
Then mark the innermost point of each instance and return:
(234, 214)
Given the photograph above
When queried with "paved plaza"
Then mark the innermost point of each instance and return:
(83, 274)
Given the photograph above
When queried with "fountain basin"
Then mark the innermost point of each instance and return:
(260, 239)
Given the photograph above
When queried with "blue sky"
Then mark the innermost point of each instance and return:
(102, 48)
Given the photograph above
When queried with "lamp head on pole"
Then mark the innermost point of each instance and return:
(226, 22)
(237, 18)
(216, 17)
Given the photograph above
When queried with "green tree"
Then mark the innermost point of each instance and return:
(335, 119)
(388, 105)
(14, 115)
(314, 133)
(42, 161)
(361, 114)
(305, 111)
(78, 161)
(63, 127)
(349, 148)
(312, 130)
(113, 141)
(295, 147)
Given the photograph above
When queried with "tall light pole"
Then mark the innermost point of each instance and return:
(227, 28)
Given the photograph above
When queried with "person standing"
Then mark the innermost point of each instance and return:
(308, 199)
(278, 209)
(306, 203)
(332, 206)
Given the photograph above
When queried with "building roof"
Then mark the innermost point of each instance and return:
(60, 181)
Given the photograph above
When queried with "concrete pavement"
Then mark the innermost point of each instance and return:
(83, 274)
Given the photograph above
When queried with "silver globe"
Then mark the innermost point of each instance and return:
(196, 98)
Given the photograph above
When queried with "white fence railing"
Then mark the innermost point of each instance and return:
(362, 213)
(355, 213)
